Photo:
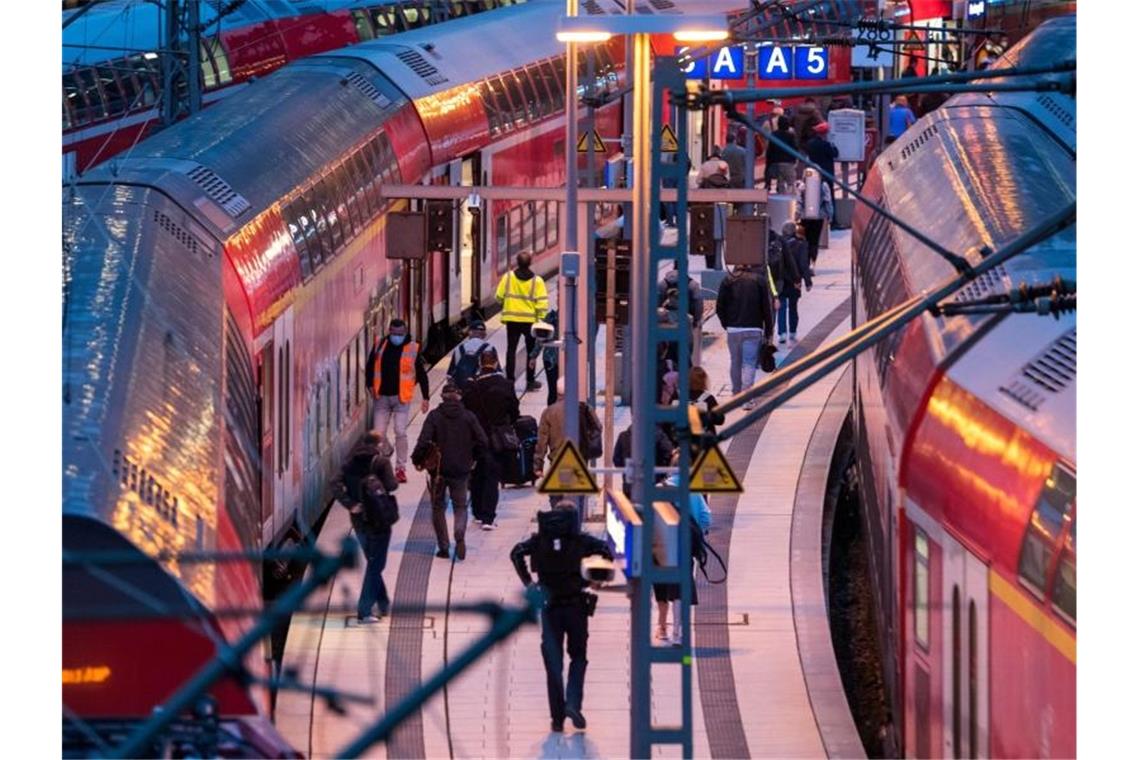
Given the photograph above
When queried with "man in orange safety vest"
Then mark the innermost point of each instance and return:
(394, 368)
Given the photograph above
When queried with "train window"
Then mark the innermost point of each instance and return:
(116, 103)
(346, 367)
(209, 75)
(956, 672)
(458, 9)
(368, 196)
(148, 84)
(364, 30)
(89, 86)
(502, 102)
(501, 250)
(74, 105)
(972, 679)
(1065, 581)
(357, 342)
(489, 108)
(296, 231)
(316, 233)
(328, 408)
(1054, 508)
(415, 17)
(921, 590)
(383, 21)
(552, 223)
(326, 208)
(518, 111)
(515, 230)
(530, 94)
(346, 191)
(221, 61)
(553, 85)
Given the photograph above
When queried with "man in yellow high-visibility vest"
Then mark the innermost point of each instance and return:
(523, 296)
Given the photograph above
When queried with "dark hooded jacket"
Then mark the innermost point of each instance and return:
(491, 397)
(458, 434)
(556, 552)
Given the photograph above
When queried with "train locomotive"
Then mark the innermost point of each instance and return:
(966, 427)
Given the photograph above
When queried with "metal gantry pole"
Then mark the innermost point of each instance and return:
(648, 252)
(569, 316)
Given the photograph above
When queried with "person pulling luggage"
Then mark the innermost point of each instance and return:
(556, 552)
(491, 397)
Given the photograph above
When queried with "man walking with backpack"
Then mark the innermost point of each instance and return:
(491, 398)
(556, 552)
(465, 357)
(523, 296)
(459, 439)
(361, 487)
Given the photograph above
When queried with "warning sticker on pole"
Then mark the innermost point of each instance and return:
(712, 474)
(668, 139)
(584, 142)
(568, 473)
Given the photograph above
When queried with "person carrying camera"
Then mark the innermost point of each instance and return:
(364, 484)
(556, 552)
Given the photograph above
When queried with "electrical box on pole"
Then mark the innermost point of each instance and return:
(440, 226)
(702, 241)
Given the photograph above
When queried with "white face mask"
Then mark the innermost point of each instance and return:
(397, 340)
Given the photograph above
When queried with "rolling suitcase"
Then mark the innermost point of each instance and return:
(519, 468)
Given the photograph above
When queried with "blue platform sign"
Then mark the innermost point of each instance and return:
(776, 63)
(811, 63)
(725, 63)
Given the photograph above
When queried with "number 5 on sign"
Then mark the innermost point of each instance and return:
(811, 63)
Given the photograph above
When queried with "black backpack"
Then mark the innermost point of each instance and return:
(381, 511)
(467, 366)
(557, 558)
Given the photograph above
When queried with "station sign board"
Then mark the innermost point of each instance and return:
(776, 62)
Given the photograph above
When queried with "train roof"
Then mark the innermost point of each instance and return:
(434, 59)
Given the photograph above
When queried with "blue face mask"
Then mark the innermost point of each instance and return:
(397, 340)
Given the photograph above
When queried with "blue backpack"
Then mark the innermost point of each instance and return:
(467, 366)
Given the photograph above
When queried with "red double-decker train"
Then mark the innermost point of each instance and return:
(966, 427)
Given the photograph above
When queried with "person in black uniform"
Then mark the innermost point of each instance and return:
(556, 554)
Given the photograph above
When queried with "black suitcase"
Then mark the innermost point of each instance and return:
(519, 468)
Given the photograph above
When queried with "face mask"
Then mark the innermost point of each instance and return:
(397, 340)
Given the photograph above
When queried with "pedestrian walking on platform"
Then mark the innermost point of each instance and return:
(744, 307)
(556, 552)
(813, 227)
(822, 152)
(901, 118)
(736, 157)
(366, 474)
(465, 358)
(668, 595)
(779, 163)
(549, 357)
(453, 434)
(392, 372)
(701, 397)
(623, 449)
(796, 277)
(491, 398)
(523, 296)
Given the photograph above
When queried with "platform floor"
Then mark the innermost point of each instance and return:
(765, 684)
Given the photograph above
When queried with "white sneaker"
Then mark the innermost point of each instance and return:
(489, 526)
(749, 405)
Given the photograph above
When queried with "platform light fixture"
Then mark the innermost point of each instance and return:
(702, 28)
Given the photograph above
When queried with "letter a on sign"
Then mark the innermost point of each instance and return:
(725, 66)
(568, 474)
(775, 63)
(711, 474)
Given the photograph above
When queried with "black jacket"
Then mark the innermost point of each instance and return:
(783, 266)
(823, 154)
(797, 251)
(556, 553)
(743, 301)
(458, 434)
(491, 397)
(662, 450)
(774, 154)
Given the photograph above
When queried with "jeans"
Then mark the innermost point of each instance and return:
(567, 621)
(441, 487)
(384, 409)
(744, 355)
(485, 488)
(373, 590)
(789, 315)
(516, 330)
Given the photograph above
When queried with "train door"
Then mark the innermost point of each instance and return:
(468, 232)
(965, 646)
(276, 426)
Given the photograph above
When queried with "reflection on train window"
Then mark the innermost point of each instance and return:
(72, 102)
(921, 590)
(216, 53)
(95, 108)
(518, 112)
(145, 72)
(1054, 508)
(110, 86)
(530, 96)
(554, 85)
(490, 108)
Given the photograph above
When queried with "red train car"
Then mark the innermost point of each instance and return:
(966, 429)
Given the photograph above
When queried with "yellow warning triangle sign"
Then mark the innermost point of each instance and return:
(711, 474)
(568, 474)
(668, 139)
(583, 142)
